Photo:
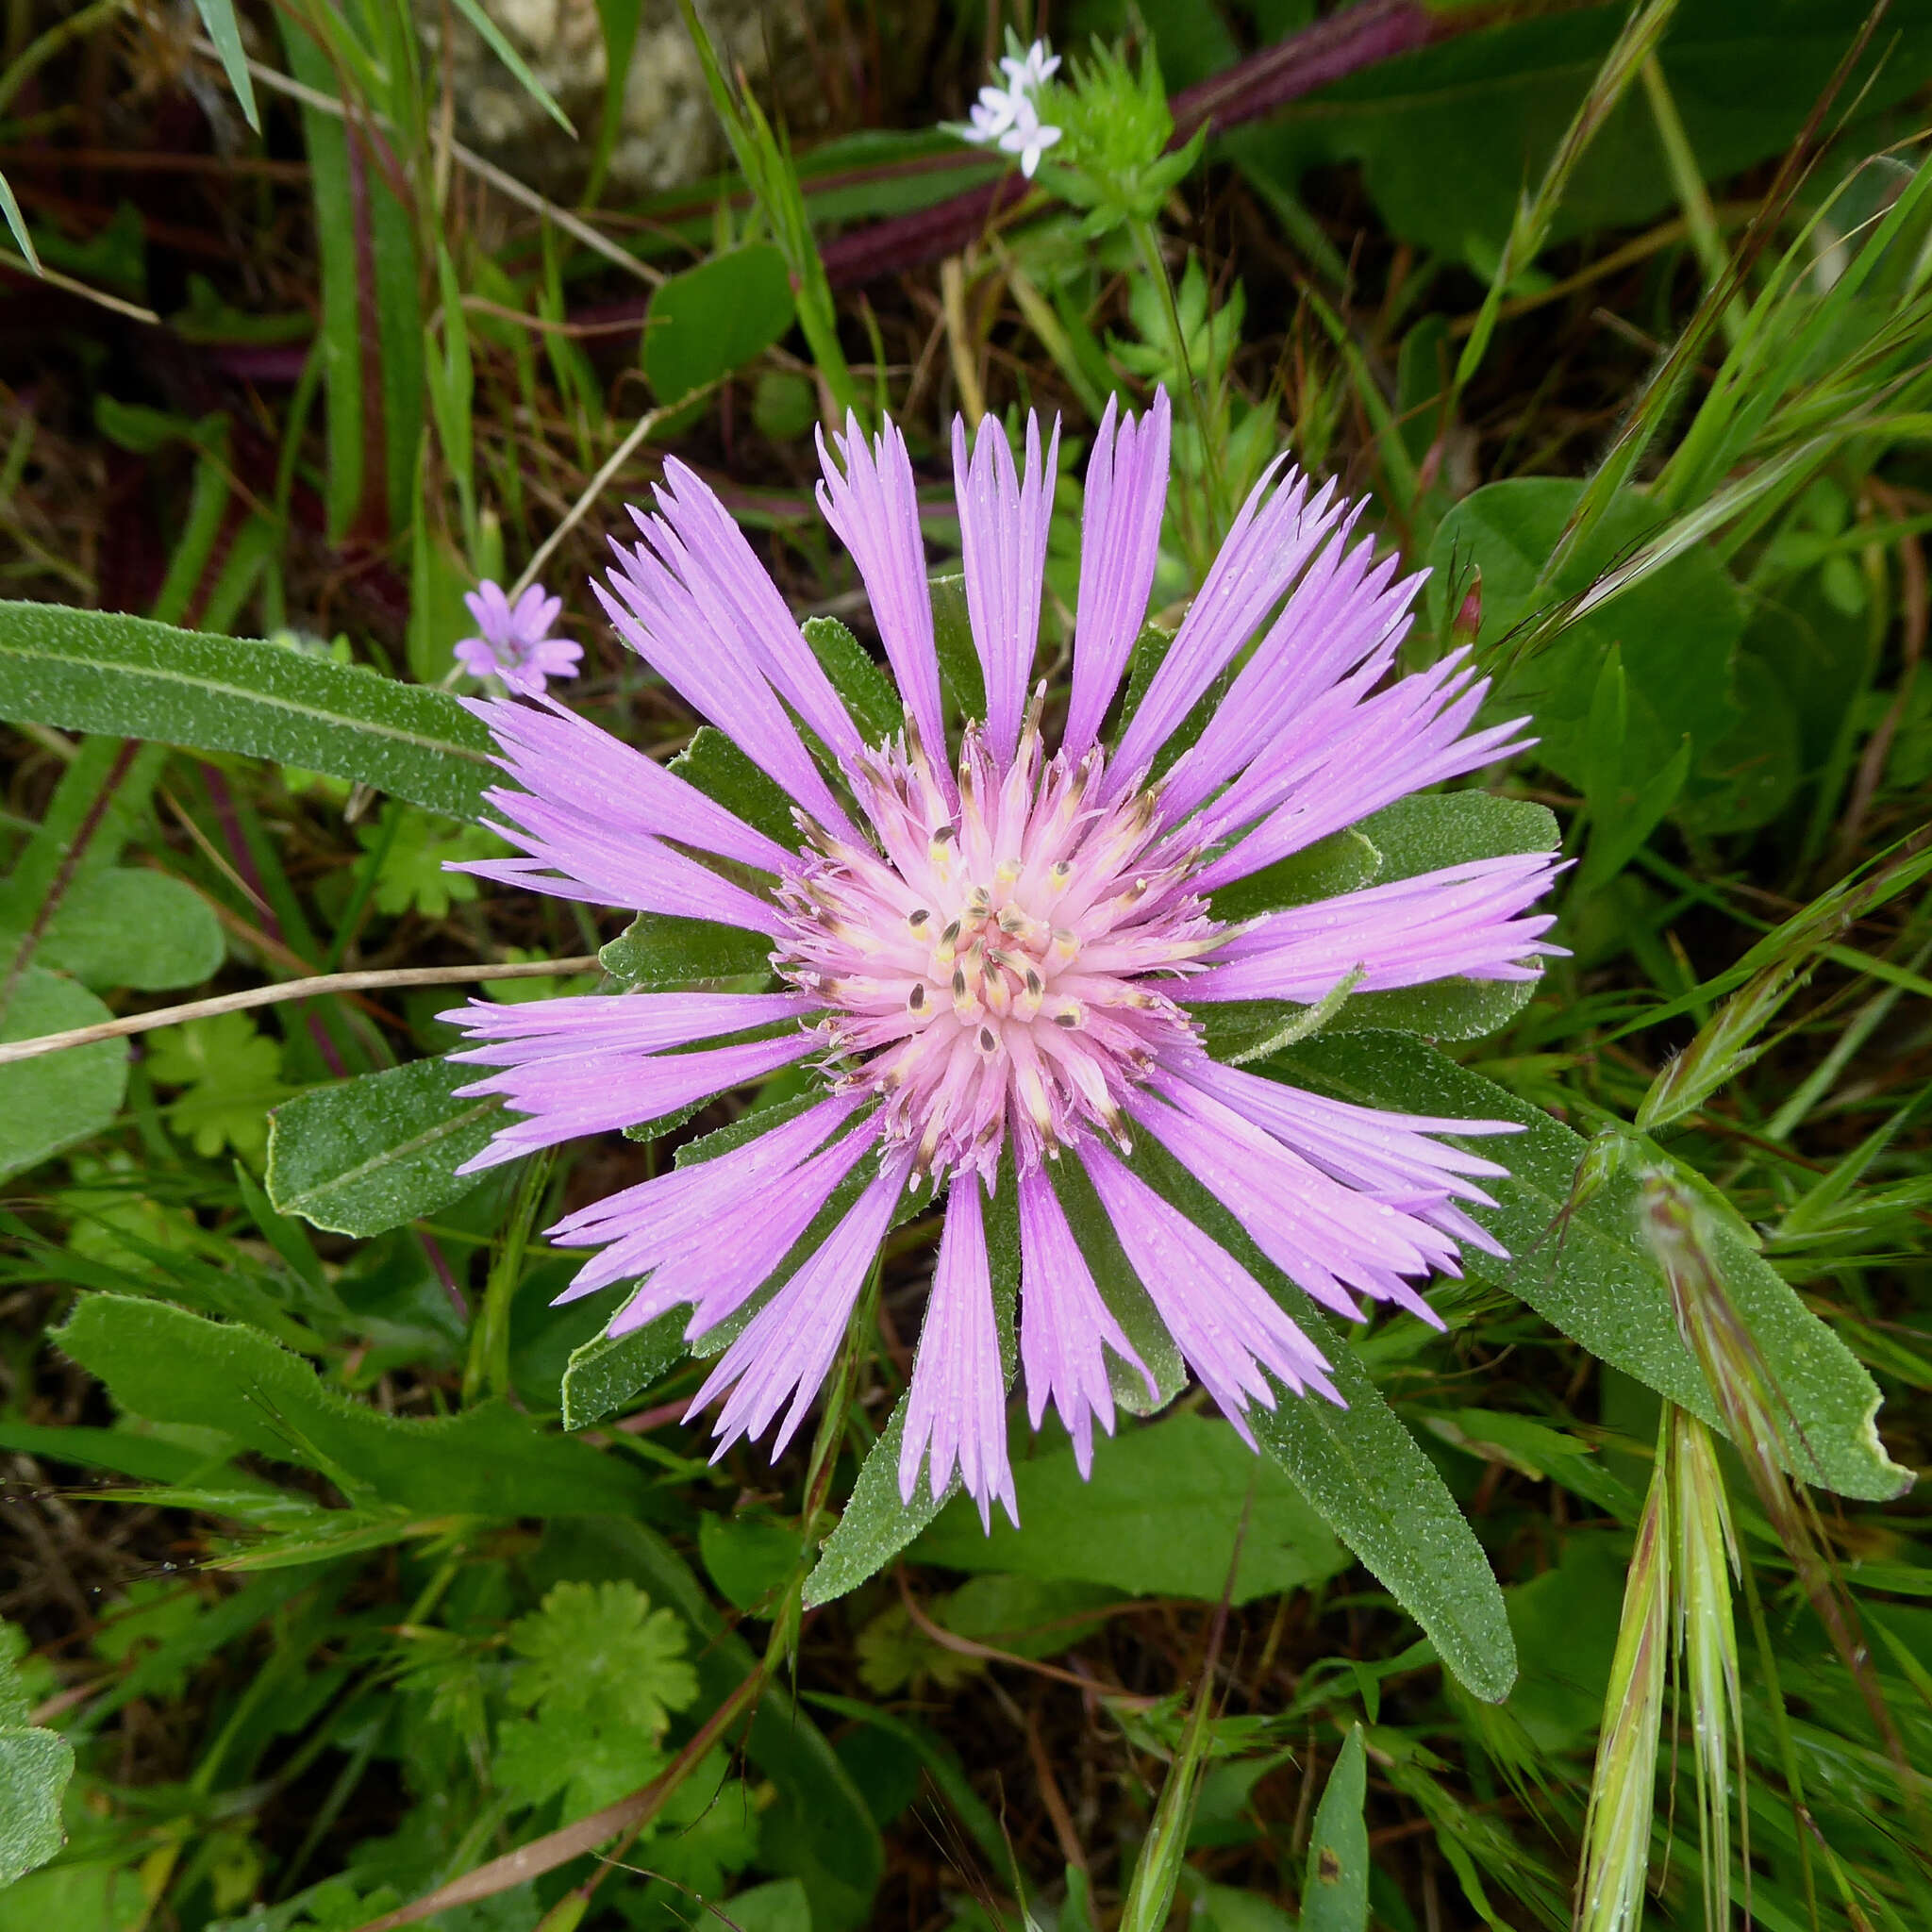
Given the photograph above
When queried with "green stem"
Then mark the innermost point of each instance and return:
(1699, 218)
(487, 1371)
(1200, 411)
(1781, 1727)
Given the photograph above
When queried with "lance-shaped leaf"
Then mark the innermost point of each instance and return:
(1364, 1473)
(605, 1372)
(169, 1366)
(1582, 1267)
(377, 1151)
(1335, 1890)
(97, 671)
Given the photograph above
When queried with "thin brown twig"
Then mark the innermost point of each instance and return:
(289, 989)
(1050, 1795)
(967, 1646)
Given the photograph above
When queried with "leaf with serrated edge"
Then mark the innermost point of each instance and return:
(865, 689)
(605, 1372)
(823, 1832)
(876, 1525)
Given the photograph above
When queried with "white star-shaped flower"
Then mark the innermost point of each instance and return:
(1029, 137)
(1008, 117)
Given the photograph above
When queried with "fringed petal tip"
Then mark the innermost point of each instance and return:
(955, 1416)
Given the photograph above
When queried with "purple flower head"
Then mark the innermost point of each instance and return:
(516, 645)
(994, 949)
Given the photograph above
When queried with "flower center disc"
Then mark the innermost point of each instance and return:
(995, 967)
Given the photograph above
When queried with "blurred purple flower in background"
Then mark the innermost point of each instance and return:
(516, 645)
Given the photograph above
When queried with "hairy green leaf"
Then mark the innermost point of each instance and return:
(658, 952)
(173, 1367)
(1344, 862)
(1434, 829)
(1363, 1471)
(866, 690)
(1587, 1272)
(605, 1372)
(379, 1150)
(49, 1103)
(876, 1525)
(719, 769)
(96, 671)
(961, 680)
(35, 1766)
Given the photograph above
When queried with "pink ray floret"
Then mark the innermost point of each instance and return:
(992, 944)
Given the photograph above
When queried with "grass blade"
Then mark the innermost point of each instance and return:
(218, 16)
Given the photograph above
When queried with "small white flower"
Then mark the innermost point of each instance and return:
(1031, 72)
(1029, 138)
(1008, 117)
(991, 114)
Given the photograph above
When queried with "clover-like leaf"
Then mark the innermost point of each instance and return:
(598, 1651)
(232, 1075)
(419, 844)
